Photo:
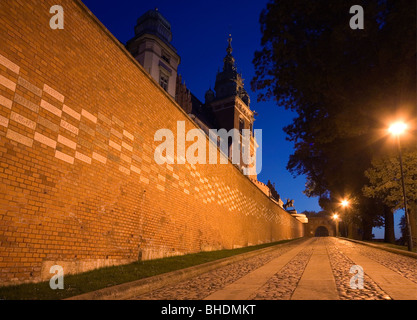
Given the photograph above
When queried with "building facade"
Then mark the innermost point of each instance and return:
(151, 47)
(227, 107)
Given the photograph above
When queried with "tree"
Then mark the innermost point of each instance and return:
(385, 183)
(341, 83)
(312, 214)
(403, 229)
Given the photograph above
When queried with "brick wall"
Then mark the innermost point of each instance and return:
(79, 184)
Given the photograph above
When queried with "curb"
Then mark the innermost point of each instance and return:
(393, 250)
(134, 288)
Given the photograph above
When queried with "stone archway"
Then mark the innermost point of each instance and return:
(315, 222)
(321, 231)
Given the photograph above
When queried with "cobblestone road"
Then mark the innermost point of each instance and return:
(317, 268)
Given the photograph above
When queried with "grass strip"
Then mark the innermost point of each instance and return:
(109, 276)
(389, 245)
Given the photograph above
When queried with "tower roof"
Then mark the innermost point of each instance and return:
(153, 22)
(229, 60)
(228, 81)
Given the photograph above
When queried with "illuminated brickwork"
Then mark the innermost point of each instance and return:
(79, 183)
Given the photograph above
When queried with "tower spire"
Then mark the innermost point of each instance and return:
(229, 61)
(229, 47)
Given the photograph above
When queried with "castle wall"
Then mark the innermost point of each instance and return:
(79, 183)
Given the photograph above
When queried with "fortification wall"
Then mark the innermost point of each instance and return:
(79, 183)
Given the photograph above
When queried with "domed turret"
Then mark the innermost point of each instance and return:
(152, 48)
(153, 22)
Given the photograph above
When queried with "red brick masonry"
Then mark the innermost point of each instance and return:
(79, 184)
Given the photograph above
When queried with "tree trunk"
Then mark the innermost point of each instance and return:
(389, 225)
(412, 212)
(367, 230)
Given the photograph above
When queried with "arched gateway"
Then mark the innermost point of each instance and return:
(320, 227)
(321, 231)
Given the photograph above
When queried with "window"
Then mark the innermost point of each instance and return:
(163, 81)
(241, 125)
(165, 57)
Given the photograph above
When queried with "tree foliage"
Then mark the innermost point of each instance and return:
(342, 83)
(385, 183)
(385, 179)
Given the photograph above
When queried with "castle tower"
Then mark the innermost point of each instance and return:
(230, 104)
(152, 48)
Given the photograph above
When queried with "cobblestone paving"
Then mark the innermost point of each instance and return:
(341, 271)
(403, 265)
(282, 285)
(201, 286)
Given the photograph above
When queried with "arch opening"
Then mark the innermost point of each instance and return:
(321, 232)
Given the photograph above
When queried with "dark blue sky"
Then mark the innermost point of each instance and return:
(200, 30)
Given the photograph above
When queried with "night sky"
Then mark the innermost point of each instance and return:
(200, 31)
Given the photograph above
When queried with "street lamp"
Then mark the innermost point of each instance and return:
(345, 204)
(336, 219)
(397, 129)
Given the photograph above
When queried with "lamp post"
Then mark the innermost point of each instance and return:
(397, 129)
(336, 219)
(345, 204)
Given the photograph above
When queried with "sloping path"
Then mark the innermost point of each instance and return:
(392, 282)
(314, 269)
(243, 288)
(317, 282)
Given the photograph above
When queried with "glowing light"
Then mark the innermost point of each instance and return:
(335, 216)
(397, 128)
(345, 203)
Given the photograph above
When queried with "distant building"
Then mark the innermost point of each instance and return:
(152, 48)
(227, 107)
(183, 96)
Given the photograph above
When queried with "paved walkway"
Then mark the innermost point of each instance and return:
(314, 269)
(391, 281)
(317, 281)
(243, 288)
